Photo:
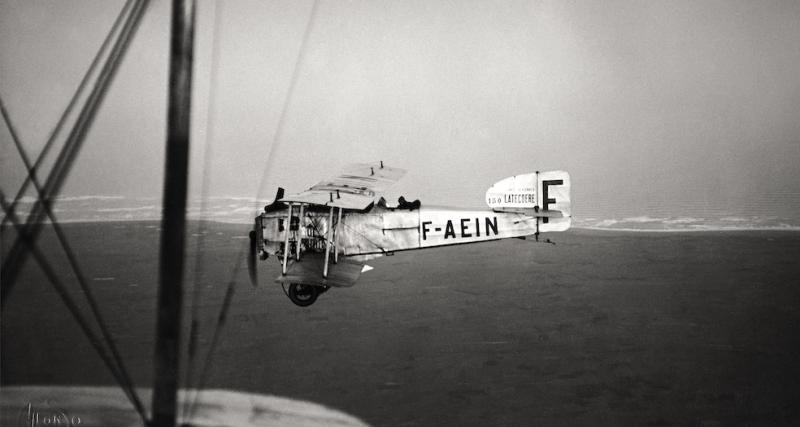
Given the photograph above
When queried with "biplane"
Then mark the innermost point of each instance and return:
(323, 236)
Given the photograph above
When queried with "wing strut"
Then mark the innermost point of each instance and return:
(328, 243)
(336, 238)
(537, 205)
(299, 233)
(288, 228)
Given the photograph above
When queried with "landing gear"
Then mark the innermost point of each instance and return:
(303, 295)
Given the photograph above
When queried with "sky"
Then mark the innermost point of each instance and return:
(654, 108)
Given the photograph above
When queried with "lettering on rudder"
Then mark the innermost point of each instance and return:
(546, 200)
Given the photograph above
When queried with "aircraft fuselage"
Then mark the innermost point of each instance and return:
(384, 230)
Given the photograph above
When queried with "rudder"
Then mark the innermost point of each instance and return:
(545, 195)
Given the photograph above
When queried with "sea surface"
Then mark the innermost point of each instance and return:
(603, 328)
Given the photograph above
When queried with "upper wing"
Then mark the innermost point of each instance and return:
(354, 188)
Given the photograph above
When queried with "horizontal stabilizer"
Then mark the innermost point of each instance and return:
(532, 212)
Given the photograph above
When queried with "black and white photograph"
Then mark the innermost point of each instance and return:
(399, 213)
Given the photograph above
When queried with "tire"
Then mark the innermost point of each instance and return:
(303, 295)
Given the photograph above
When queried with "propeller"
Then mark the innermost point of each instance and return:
(251, 260)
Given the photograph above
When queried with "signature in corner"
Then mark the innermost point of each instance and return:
(32, 416)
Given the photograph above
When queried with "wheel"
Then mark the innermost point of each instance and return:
(303, 295)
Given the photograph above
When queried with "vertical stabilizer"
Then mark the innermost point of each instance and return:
(544, 195)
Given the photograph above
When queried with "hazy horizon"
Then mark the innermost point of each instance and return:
(676, 109)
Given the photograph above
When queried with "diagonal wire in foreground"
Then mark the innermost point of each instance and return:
(81, 86)
(33, 226)
(223, 313)
(71, 306)
(221, 319)
(276, 137)
(199, 260)
(123, 375)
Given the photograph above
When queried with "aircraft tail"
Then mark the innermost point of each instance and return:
(544, 195)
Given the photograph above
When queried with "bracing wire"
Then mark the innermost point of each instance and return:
(122, 373)
(63, 164)
(72, 102)
(277, 136)
(53, 277)
(199, 261)
(221, 318)
(363, 236)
